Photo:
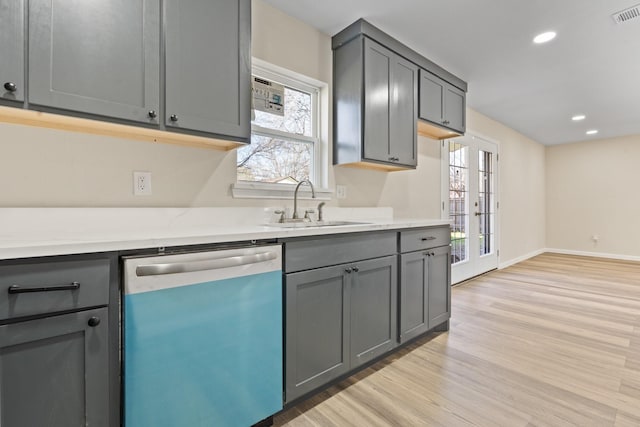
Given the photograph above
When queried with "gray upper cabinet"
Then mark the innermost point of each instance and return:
(441, 103)
(208, 66)
(100, 57)
(12, 50)
(375, 98)
(55, 371)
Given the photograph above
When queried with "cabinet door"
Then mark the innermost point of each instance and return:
(431, 98)
(55, 371)
(454, 108)
(316, 329)
(12, 50)
(404, 112)
(414, 294)
(377, 80)
(208, 66)
(99, 57)
(373, 309)
(439, 286)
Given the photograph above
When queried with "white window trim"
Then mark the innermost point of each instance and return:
(320, 168)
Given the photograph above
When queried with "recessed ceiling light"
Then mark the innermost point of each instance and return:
(578, 117)
(544, 37)
(592, 132)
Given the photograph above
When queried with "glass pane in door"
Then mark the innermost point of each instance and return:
(485, 212)
(458, 200)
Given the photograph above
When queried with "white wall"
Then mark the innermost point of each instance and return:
(592, 189)
(44, 167)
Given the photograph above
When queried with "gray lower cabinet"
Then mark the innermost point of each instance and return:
(425, 281)
(98, 57)
(375, 105)
(441, 103)
(373, 308)
(316, 329)
(59, 341)
(341, 316)
(12, 50)
(208, 66)
(55, 371)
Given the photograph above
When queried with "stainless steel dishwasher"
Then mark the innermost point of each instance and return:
(203, 338)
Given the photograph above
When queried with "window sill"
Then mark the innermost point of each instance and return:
(260, 190)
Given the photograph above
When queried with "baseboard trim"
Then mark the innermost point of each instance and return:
(593, 254)
(509, 263)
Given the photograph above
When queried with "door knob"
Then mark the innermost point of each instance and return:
(94, 321)
(10, 86)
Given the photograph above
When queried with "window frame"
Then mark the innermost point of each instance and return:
(319, 166)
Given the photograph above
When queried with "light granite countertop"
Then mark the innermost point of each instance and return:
(33, 232)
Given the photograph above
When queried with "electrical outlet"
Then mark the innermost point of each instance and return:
(341, 191)
(142, 183)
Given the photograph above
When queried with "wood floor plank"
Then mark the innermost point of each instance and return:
(551, 341)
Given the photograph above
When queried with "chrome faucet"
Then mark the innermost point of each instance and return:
(295, 197)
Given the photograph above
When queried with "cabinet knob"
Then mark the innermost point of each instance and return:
(426, 254)
(94, 321)
(348, 270)
(356, 269)
(445, 122)
(173, 118)
(432, 254)
(10, 86)
(153, 114)
(394, 159)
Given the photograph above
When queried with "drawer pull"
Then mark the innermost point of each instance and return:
(15, 289)
(424, 239)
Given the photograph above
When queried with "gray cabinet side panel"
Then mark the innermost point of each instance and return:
(377, 82)
(12, 48)
(439, 286)
(454, 105)
(431, 98)
(208, 66)
(99, 57)
(373, 309)
(55, 371)
(347, 102)
(413, 295)
(404, 114)
(316, 333)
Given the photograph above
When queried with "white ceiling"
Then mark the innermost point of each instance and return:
(592, 67)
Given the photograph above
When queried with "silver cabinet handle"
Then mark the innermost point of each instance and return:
(424, 239)
(10, 87)
(208, 264)
(153, 114)
(173, 118)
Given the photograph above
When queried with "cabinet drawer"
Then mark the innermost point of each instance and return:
(48, 287)
(424, 238)
(333, 250)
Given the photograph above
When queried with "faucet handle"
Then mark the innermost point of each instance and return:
(307, 212)
(320, 206)
(281, 213)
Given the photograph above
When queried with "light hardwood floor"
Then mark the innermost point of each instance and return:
(552, 341)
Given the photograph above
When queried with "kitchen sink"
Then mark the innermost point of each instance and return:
(307, 224)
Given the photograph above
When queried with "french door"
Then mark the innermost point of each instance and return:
(470, 195)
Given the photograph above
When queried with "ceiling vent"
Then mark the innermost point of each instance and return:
(627, 14)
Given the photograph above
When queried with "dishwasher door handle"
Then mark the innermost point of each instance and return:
(204, 265)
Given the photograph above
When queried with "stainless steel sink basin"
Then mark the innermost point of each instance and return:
(314, 224)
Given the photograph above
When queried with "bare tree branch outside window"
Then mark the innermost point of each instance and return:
(277, 159)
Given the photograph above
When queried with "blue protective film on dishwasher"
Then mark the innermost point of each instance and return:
(208, 354)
